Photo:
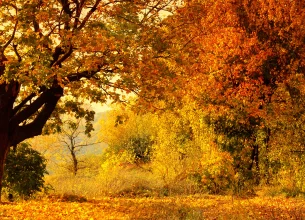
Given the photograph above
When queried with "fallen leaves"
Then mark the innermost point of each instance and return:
(182, 207)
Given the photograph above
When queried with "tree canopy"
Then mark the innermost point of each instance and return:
(241, 62)
(80, 49)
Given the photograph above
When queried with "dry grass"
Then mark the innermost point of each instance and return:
(138, 195)
(80, 186)
(123, 183)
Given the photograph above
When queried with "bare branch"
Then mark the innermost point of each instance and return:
(153, 8)
(156, 8)
(32, 108)
(21, 105)
(88, 15)
(88, 144)
(16, 52)
(78, 12)
(12, 37)
(85, 74)
(35, 127)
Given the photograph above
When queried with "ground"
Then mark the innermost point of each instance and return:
(181, 207)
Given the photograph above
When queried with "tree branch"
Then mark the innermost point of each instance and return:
(18, 107)
(88, 144)
(64, 57)
(35, 127)
(66, 7)
(152, 8)
(31, 109)
(16, 52)
(57, 52)
(88, 15)
(78, 12)
(85, 74)
(12, 37)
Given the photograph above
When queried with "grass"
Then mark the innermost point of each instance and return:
(178, 207)
(138, 194)
(133, 183)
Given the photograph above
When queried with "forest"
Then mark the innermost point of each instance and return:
(152, 109)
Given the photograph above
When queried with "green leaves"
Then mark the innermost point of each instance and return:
(24, 171)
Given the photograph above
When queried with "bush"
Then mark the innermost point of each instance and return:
(24, 171)
(218, 172)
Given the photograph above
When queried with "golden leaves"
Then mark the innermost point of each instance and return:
(189, 207)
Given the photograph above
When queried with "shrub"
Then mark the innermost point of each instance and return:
(218, 172)
(24, 171)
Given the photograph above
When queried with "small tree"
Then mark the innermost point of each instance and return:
(24, 171)
(74, 136)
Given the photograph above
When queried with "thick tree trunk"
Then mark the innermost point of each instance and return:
(7, 98)
(5, 107)
(4, 147)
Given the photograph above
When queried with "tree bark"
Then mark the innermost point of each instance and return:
(75, 163)
(4, 147)
(267, 165)
(8, 94)
(255, 161)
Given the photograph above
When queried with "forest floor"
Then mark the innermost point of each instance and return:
(180, 207)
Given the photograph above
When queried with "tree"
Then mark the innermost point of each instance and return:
(74, 139)
(178, 146)
(24, 171)
(81, 49)
(242, 61)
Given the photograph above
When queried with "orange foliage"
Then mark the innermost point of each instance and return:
(234, 54)
(207, 207)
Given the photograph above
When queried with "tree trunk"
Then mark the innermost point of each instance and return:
(8, 94)
(6, 104)
(4, 147)
(267, 165)
(255, 161)
(75, 163)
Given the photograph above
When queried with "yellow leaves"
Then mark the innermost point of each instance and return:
(180, 207)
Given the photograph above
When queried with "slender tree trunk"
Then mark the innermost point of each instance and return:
(73, 155)
(255, 161)
(75, 163)
(267, 165)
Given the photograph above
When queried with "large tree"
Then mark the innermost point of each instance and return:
(241, 60)
(74, 48)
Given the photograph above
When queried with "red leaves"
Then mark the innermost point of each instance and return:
(241, 51)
